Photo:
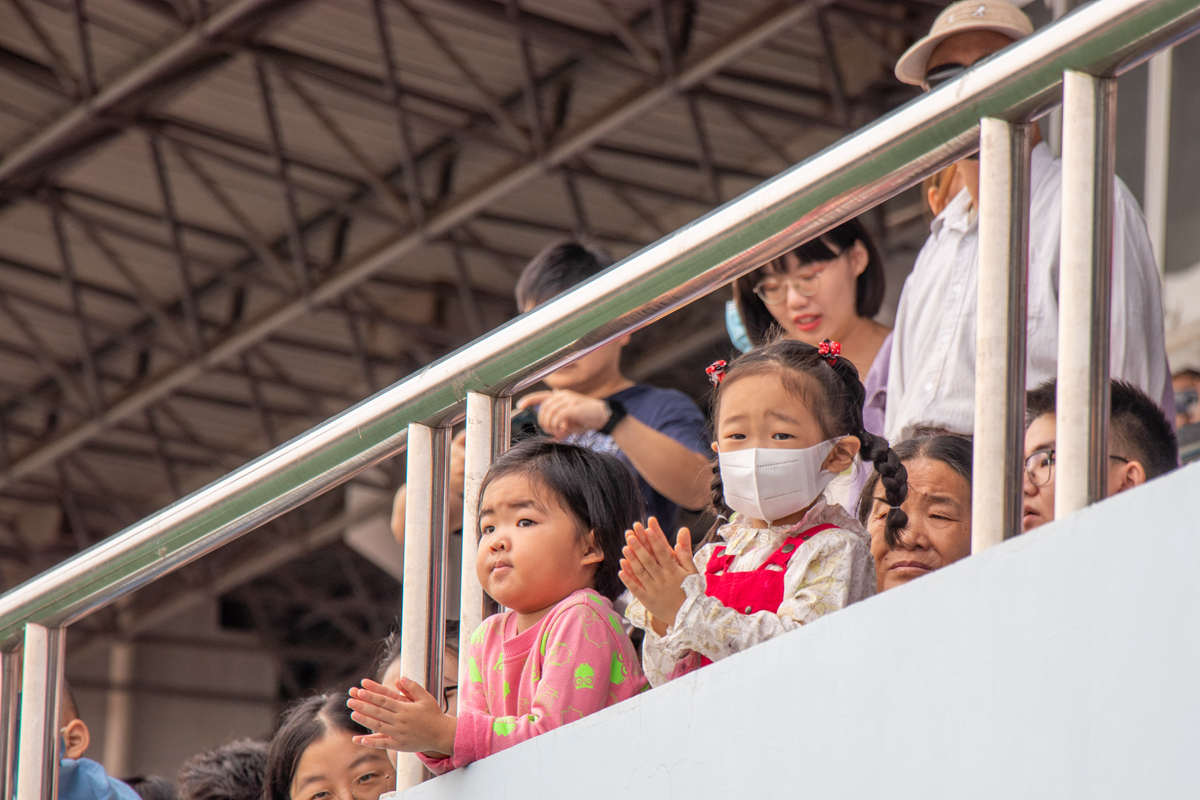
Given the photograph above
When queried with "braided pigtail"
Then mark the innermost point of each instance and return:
(722, 511)
(894, 478)
(875, 449)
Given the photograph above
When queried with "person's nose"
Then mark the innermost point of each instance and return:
(795, 300)
(1027, 483)
(914, 536)
(500, 542)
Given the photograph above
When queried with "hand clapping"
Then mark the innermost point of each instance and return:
(405, 718)
(654, 573)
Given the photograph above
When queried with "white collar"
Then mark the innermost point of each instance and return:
(740, 536)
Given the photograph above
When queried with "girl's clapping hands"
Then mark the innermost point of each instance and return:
(654, 572)
(405, 718)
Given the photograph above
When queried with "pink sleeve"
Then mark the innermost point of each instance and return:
(579, 657)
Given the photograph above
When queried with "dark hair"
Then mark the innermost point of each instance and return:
(1137, 427)
(231, 772)
(594, 488)
(389, 648)
(948, 448)
(70, 707)
(834, 395)
(304, 723)
(868, 293)
(557, 268)
(152, 787)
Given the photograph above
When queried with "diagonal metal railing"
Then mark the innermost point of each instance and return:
(1000, 96)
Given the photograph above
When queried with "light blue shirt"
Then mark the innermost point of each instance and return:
(84, 779)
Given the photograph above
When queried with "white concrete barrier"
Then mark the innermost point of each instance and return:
(1063, 663)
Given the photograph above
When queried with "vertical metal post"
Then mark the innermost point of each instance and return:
(10, 663)
(1004, 151)
(1158, 150)
(118, 721)
(488, 433)
(41, 696)
(423, 625)
(1084, 292)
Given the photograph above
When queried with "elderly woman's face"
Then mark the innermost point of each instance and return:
(335, 767)
(939, 524)
(830, 312)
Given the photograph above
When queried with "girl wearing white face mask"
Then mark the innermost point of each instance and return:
(789, 418)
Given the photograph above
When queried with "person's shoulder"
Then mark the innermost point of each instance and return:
(492, 626)
(582, 608)
(840, 530)
(644, 392)
(581, 602)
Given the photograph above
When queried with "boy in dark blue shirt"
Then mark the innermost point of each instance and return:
(660, 434)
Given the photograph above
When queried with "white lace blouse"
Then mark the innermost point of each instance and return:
(829, 571)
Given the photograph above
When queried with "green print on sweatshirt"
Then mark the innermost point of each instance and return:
(473, 671)
(583, 676)
(617, 671)
(505, 725)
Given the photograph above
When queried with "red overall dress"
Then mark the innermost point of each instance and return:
(758, 590)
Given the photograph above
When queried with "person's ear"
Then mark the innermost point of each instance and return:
(841, 457)
(859, 258)
(932, 198)
(716, 448)
(592, 554)
(76, 738)
(1130, 475)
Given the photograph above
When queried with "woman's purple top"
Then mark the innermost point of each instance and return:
(874, 406)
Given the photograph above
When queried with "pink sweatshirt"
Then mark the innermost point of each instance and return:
(576, 661)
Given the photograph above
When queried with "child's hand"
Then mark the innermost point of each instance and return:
(654, 572)
(406, 718)
(562, 413)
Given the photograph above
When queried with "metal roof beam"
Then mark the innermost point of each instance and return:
(99, 116)
(762, 27)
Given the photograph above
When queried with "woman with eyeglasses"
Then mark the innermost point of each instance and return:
(828, 288)
(313, 756)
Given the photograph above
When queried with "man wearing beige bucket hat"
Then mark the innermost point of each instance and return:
(931, 377)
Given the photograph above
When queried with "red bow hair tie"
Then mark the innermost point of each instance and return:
(716, 371)
(829, 351)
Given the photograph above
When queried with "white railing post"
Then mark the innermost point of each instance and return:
(1158, 152)
(1084, 292)
(423, 622)
(489, 431)
(10, 687)
(41, 699)
(1000, 335)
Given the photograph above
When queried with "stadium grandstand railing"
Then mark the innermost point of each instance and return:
(990, 108)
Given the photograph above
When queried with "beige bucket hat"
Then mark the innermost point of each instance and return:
(968, 15)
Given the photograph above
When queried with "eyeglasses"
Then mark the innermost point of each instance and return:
(1039, 467)
(366, 787)
(939, 75)
(773, 291)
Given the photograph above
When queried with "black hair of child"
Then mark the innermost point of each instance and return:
(232, 771)
(835, 395)
(304, 723)
(594, 488)
(559, 267)
(950, 449)
(152, 787)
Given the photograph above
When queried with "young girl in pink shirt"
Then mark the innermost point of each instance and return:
(552, 519)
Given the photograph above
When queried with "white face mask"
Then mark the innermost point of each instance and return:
(773, 483)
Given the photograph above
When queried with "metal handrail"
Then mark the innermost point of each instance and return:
(1103, 39)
